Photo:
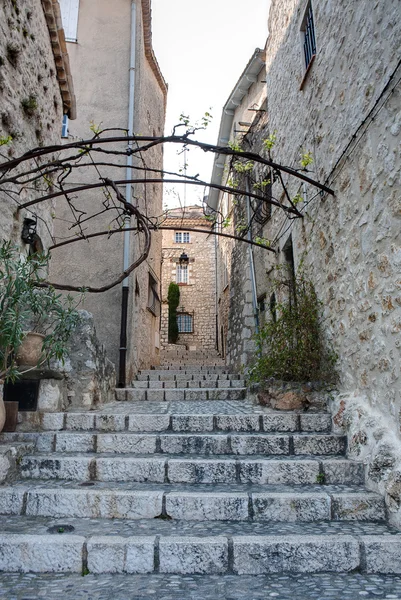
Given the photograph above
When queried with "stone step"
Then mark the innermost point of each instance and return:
(155, 545)
(173, 376)
(168, 468)
(171, 395)
(192, 503)
(193, 443)
(206, 370)
(190, 383)
(175, 417)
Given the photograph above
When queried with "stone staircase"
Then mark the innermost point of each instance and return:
(175, 478)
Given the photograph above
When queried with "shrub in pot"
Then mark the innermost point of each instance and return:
(25, 308)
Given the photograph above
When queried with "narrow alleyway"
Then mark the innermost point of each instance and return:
(184, 487)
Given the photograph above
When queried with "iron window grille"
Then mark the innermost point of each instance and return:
(185, 323)
(308, 30)
(153, 297)
(262, 208)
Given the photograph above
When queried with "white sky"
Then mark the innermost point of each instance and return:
(202, 47)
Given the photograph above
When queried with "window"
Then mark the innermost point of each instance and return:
(182, 237)
(153, 298)
(69, 17)
(263, 208)
(182, 274)
(64, 128)
(309, 38)
(185, 323)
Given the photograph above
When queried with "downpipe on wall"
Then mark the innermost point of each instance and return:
(251, 263)
(122, 377)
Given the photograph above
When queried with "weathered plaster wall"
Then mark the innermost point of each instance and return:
(198, 297)
(27, 69)
(100, 66)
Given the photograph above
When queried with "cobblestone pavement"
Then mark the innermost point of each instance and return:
(15, 586)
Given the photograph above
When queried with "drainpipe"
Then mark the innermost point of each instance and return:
(122, 379)
(216, 292)
(251, 263)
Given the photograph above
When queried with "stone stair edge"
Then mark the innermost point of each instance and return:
(215, 554)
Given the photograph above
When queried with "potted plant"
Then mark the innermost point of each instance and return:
(29, 311)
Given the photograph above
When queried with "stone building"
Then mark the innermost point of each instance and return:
(189, 260)
(118, 84)
(333, 76)
(35, 91)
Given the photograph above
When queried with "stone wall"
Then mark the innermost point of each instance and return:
(31, 106)
(100, 64)
(348, 116)
(198, 297)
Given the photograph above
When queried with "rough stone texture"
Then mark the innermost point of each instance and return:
(201, 471)
(193, 555)
(286, 507)
(382, 554)
(348, 244)
(112, 554)
(27, 69)
(207, 507)
(41, 554)
(273, 471)
(106, 504)
(309, 553)
(130, 469)
(357, 506)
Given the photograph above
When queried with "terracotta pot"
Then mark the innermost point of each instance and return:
(11, 416)
(2, 407)
(30, 351)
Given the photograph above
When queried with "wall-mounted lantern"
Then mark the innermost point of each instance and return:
(28, 234)
(184, 259)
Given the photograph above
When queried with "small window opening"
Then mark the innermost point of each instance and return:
(182, 274)
(153, 297)
(185, 323)
(309, 36)
(64, 128)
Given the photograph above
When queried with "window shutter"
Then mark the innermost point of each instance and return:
(69, 16)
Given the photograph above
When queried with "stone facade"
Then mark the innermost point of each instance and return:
(345, 111)
(100, 62)
(35, 90)
(198, 293)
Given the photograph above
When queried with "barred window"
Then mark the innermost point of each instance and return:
(309, 37)
(185, 323)
(153, 297)
(182, 274)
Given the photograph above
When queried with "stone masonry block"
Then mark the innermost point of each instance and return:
(124, 443)
(315, 422)
(130, 469)
(189, 555)
(237, 422)
(148, 422)
(295, 553)
(140, 554)
(201, 471)
(343, 471)
(259, 444)
(192, 422)
(41, 553)
(319, 444)
(290, 507)
(75, 442)
(110, 422)
(77, 421)
(106, 554)
(52, 421)
(278, 471)
(382, 553)
(213, 506)
(194, 444)
(11, 500)
(280, 422)
(360, 506)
